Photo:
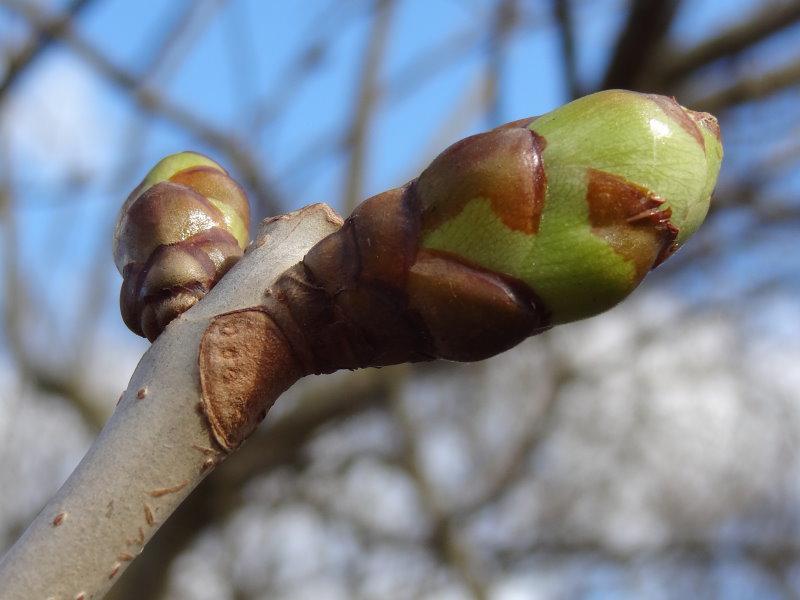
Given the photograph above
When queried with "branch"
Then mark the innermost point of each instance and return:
(504, 20)
(751, 88)
(648, 23)
(48, 380)
(151, 102)
(445, 539)
(155, 448)
(697, 550)
(504, 475)
(320, 35)
(357, 136)
(770, 19)
(562, 12)
(39, 42)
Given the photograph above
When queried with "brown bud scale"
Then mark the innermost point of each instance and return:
(174, 241)
(365, 296)
(630, 219)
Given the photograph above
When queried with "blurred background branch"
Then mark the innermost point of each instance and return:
(647, 453)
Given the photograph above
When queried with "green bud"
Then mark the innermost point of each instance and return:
(579, 204)
(180, 230)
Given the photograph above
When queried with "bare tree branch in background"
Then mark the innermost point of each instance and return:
(429, 63)
(647, 24)
(357, 136)
(419, 71)
(505, 19)
(176, 39)
(64, 384)
(321, 35)
(445, 539)
(48, 31)
(674, 64)
(265, 195)
(748, 89)
(562, 11)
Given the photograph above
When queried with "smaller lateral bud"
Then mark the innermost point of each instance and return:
(179, 231)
